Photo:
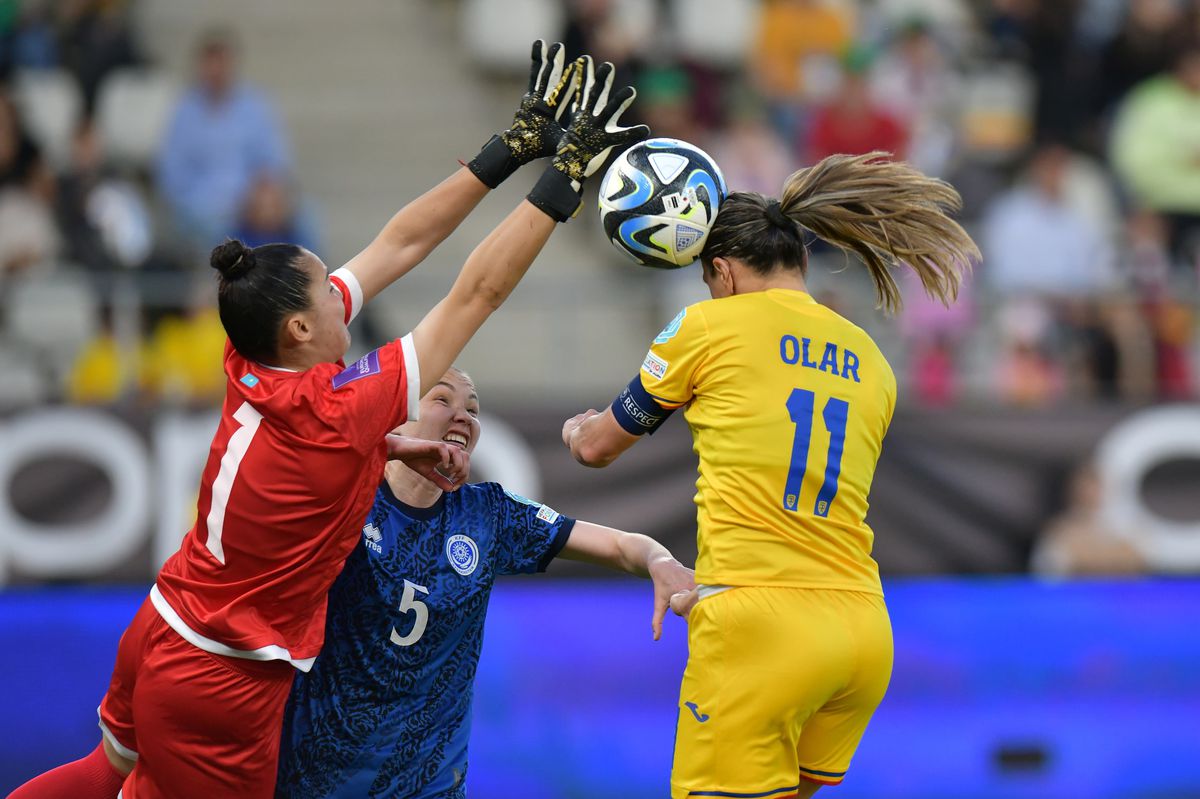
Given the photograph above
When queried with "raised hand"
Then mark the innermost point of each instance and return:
(445, 465)
(594, 133)
(537, 125)
(591, 137)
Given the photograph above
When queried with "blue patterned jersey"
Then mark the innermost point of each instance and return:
(386, 709)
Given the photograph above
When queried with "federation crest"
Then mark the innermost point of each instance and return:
(671, 329)
(463, 554)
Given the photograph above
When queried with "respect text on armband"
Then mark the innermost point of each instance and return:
(636, 412)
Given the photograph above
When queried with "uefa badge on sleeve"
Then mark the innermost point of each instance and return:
(463, 554)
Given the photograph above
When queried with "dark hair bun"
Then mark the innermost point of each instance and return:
(232, 259)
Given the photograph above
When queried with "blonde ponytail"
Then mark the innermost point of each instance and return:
(885, 212)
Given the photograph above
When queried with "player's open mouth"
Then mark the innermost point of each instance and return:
(456, 438)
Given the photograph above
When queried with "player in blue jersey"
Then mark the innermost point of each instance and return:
(386, 709)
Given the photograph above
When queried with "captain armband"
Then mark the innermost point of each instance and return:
(637, 411)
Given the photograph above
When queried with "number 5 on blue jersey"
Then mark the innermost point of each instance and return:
(801, 404)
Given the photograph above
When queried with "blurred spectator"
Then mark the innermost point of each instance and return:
(1100, 21)
(914, 81)
(104, 218)
(223, 135)
(270, 216)
(1026, 374)
(1142, 48)
(853, 122)
(665, 99)
(100, 374)
(933, 335)
(1005, 23)
(1045, 36)
(1135, 349)
(1146, 254)
(1156, 149)
(749, 153)
(794, 56)
(1079, 541)
(1173, 323)
(611, 30)
(182, 361)
(933, 372)
(96, 38)
(31, 42)
(1189, 26)
(1060, 68)
(1036, 241)
(952, 21)
(1093, 353)
(179, 362)
(21, 163)
(28, 235)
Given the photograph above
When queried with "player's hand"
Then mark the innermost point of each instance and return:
(537, 126)
(591, 137)
(671, 579)
(683, 602)
(594, 133)
(445, 465)
(572, 424)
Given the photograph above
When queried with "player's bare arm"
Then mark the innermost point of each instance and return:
(635, 554)
(415, 231)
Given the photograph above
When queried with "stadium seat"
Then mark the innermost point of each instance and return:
(50, 104)
(24, 384)
(997, 116)
(53, 313)
(133, 109)
(715, 32)
(497, 33)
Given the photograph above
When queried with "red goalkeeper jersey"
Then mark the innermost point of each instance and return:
(290, 476)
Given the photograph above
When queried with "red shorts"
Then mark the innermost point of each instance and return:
(200, 725)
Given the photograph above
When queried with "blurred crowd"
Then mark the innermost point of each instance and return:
(115, 181)
(1071, 127)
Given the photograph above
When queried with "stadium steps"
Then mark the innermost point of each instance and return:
(380, 100)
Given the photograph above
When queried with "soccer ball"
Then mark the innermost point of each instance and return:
(658, 201)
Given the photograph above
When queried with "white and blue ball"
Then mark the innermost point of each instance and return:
(658, 202)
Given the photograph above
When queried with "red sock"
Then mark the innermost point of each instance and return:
(91, 777)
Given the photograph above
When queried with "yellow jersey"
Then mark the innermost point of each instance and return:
(788, 404)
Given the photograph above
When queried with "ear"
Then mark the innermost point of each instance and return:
(723, 274)
(297, 328)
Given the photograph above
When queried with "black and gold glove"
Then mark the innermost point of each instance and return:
(537, 125)
(588, 141)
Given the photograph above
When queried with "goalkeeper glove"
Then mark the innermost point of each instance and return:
(587, 142)
(537, 125)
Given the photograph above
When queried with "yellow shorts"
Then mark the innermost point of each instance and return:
(779, 687)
